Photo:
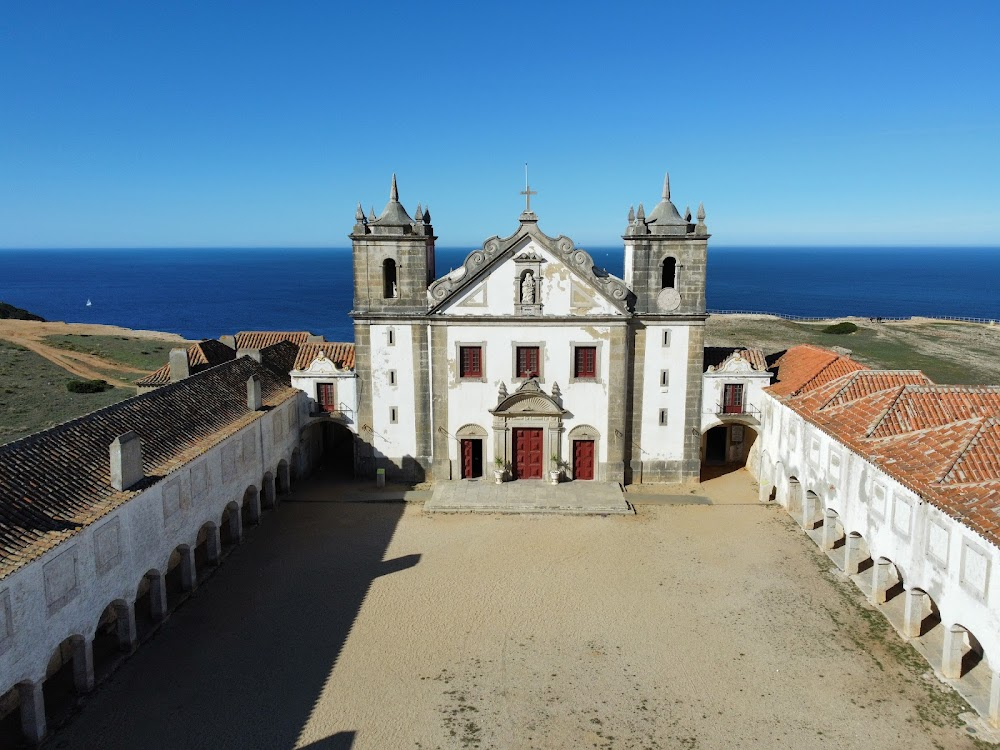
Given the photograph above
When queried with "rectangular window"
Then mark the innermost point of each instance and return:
(666, 338)
(663, 417)
(585, 362)
(664, 378)
(527, 362)
(393, 415)
(326, 394)
(391, 335)
(470, 364)
(732, 398)
(392, 377)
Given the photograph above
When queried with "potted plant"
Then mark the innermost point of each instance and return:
(499, 470)
(555, 473)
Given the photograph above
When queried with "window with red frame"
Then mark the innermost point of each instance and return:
(527, 361)
(327, 396)
(470, 362)
(585, 362)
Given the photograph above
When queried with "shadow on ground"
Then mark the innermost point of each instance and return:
(243, 661)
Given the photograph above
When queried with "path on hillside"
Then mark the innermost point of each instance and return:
(31, 334)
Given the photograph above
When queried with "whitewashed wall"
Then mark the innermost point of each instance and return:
(664, 442)
(64, 592)
(399, 439)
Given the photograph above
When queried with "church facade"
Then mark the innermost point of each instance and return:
(529, 359)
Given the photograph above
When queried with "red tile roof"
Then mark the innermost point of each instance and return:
(717, 356)
(941, 441)
(204, 354)
(340, 353)
(262, 339)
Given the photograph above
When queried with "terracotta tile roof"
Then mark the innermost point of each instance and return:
(940, 441)
(262, 339)
(55, 482)
(204, 354)
(342, 354)
(805, 367)
(716, 356)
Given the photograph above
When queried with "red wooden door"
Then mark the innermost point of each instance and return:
(583, 459)
(732, 402)
(527, 453)
(466, 459)
(472, 459)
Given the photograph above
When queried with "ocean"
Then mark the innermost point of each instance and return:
(210, 292)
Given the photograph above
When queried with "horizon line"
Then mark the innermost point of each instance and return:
(472, 248)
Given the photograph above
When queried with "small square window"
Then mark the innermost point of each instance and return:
(666, 338)
(527, 362)
(470, 362)
(664, 378)
(393, 415)
(585, 362)
(663, 417)
(392, 377)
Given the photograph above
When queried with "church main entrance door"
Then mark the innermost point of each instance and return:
(583, 459)
(527, 453)
(472, 459)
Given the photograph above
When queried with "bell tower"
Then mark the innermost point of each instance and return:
(393, 258)
(665, 256)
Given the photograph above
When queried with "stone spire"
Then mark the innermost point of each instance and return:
(687, 214)
(420, 214)
(394, 215)
(700, 229)
(371, 214)
(427, 214)
(394, 191)
(631, 214)
(359, 215)
(641, 215)
(666, 187)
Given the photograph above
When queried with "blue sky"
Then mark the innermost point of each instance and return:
(129, 124)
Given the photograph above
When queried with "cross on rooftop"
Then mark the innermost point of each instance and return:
(527, 192)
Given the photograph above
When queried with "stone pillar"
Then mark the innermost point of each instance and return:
(236, 525)
(913, 612)
(254, 508)
(852, 554)
(993, 715)
(268, 492)
(952, 652)
(213, 544)
(189, 569)
(128, 636)
(809, 503)
(881, 581)
(83, 665)
(829, 538)
(157, 597)
(32, 711)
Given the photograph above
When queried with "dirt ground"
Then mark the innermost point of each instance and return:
(374, 625)
(30, 334)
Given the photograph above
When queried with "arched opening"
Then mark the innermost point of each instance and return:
(150, 602)
(668, 275)
(282, 472)
(390, 289)
(725, 449)
(114, 637)
(207, 549)
(793, 500)
(181, 575)
(812, 515)
(338, 450)
(961, 654)
(857, 560)
(471, 451)
(250, 511)
(584, 446)
(231, 525)
(70, 674)
(267, 492)
(17, 724)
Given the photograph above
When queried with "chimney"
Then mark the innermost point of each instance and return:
(254, 354)
(179, 365)
(315, 339)
(126, 461)
(229, 341)
(254, 402)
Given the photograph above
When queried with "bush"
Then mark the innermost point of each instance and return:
(88, 386)
(839, 328)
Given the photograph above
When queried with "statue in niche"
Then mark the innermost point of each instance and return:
(528, 289)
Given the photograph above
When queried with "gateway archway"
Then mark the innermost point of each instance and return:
(725, 448)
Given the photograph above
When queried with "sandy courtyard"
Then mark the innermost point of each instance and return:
(349, 625)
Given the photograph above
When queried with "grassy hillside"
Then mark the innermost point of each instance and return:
(947, 352)
(33, 394)
(16, 313)
(145, 354)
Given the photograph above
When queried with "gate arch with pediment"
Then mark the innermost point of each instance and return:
(528, 408)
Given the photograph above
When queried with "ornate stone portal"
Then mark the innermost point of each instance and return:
(528, 407)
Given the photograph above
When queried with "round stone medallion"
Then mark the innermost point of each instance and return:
(668, 299)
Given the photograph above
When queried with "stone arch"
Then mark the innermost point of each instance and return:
(250, 506)
(231, 525)
(812, 515)
(68, 674)
(857, 555)
(583, 433)
(834, 537)
(668, 273)
(283, 480)
(921, 615)
(114, 635)
(207, 546)
(726, 446)
(181, 574)
(30, 722)
(390, 281)
(150, 605)
(961, 652)
(887, 581)
(793, 497)
(267, 491)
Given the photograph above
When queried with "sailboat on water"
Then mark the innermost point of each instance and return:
(88, 302)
